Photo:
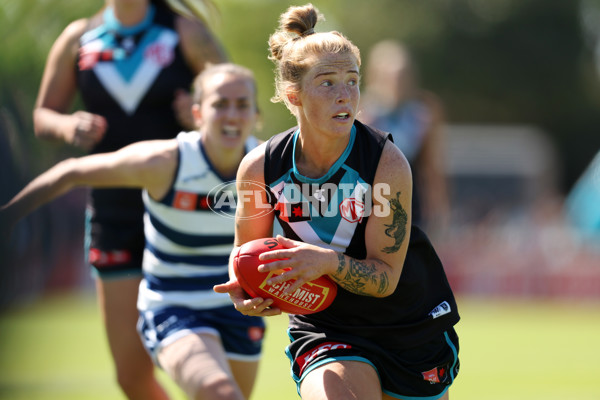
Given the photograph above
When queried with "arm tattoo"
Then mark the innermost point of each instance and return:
(397, 229)
(359, 274)
(342, 263)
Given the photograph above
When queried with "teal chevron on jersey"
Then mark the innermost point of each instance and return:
(127, 60)
(326, 209)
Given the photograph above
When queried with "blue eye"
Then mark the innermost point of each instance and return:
(326, 83)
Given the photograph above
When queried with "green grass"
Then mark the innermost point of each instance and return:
(55, 349)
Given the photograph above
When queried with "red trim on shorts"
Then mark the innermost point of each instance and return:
(102, 259)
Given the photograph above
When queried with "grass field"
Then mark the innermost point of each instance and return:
(55, 349)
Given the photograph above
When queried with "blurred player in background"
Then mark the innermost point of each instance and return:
(193, 333)
(582, 205)
(394, 102)
(132, 64)
(389, 332)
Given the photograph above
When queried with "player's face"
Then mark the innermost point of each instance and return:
(228, 112)
(329, 96)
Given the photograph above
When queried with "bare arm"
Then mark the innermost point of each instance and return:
(199, 45)
(149, 164)
(387, 232)
(252, 222)
(57, 90)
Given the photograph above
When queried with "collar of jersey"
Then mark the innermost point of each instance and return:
(112, 24)
(210, 164)
(339, 162)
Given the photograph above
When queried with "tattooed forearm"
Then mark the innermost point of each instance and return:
(359, 275)
(384, 283)
(341, 264)
(397, 229)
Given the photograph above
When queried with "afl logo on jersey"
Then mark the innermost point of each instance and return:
(160, 53)
(352, 210)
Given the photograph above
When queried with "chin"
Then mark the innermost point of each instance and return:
(231, 142)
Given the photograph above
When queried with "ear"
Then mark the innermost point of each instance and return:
(197, 114)
(293, 98)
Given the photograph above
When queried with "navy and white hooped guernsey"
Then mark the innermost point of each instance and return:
(187, 243)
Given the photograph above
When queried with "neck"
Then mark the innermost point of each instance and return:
(225, 161)
(129, 13)
(315, 158)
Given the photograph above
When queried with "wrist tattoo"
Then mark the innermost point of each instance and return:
(359, 274)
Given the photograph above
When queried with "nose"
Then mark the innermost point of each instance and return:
(231, 112)
(343, 95)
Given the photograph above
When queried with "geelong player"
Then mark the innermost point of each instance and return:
(193, 333)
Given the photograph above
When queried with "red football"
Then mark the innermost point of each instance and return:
(310, 298)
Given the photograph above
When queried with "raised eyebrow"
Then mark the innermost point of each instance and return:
(351, 71)
(320, 74)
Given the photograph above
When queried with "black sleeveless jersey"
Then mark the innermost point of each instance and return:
(332, 212)
(130, 75)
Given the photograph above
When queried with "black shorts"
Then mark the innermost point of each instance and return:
(422, 372)
(115, 251)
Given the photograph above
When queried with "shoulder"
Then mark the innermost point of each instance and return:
(393, 166)
(279, 142)
(252, 165)
(77, 28)
(153, 152)
(376, 134)
(69, 38)
(187, 26)
(198, 44)
(191, 137)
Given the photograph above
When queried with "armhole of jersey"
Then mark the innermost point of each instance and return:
(266, 176)
(170, 193)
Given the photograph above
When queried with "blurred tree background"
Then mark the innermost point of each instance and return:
(491, 61)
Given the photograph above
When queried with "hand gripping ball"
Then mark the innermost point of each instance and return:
(311, 297)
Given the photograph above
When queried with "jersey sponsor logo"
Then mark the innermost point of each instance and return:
(88, 58)
(294, 212)
(442, 309)
(185, 201)
(319, 194)
(438, 375)
(160, 54)
(305, 359)
(352, 210)
(432, 375)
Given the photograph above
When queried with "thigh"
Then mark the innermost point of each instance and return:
(196, 362)
(341, 380)
(245, 373)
